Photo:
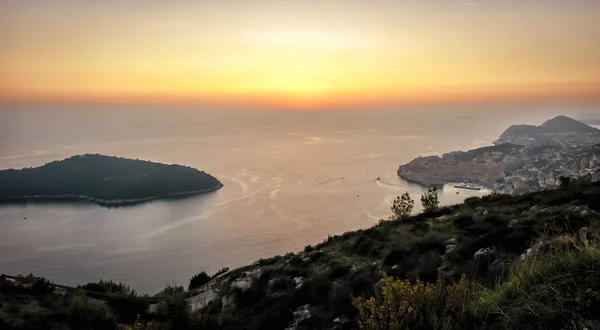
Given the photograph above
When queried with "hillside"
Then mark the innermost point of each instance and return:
(552, 130)
(564, 124)
(103, 180)
(529, 261)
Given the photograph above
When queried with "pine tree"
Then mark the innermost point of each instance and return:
(402, 207)
(430, 200)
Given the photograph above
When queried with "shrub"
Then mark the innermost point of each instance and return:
(127, 308)
(420, 228)
(402, 207)
(430, 200)
(463, 221)
(221, 272)
(174, 311)
(314, 290)
(495, 220)
(471, 201)
(108, 287)
(198, 280)
(338, 270)
(281, 283)
(139, 325)
(170, 290)
(431, 242)
(86, 314)
(402, 305)
(368, 246)
(41, 286)
(395, 256)
(427, 269)
(564, 181)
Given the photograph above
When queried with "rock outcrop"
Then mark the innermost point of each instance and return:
(435, 171)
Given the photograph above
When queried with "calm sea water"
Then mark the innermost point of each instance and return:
(291, 178)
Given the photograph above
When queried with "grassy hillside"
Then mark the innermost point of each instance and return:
(102, 178)
(502, 262)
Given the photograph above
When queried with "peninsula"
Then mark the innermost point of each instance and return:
(104, 180)
(525, 158)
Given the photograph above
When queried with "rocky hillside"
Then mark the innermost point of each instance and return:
(529, 261)
(564, 124)
(552, 130)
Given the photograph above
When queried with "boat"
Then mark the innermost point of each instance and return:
(467, 187)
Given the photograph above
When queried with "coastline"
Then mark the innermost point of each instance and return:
(426, 185)
(104, 202)
(444, 183)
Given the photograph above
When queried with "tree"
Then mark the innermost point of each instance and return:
(564, 181)
(402, 207)
(175, 311)
(430, 200)
(198, 280)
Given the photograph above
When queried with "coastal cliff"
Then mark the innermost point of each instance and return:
(434, 171)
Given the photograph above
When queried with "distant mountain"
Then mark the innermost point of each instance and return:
(564, 124)
(531, 134)
(103, 180)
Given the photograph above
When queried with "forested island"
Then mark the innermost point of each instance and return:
(104, 180)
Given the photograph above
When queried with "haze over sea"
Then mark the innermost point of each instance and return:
(291, 178)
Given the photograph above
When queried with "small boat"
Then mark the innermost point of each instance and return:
(377, 178)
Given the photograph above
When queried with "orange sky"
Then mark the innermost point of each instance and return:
(298, 53)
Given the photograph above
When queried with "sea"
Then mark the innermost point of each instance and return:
(291, 178)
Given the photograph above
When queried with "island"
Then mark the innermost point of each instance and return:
(104, 180)
(525, 158)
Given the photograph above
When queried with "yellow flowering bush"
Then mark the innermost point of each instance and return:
(138, 325)
(400, 304)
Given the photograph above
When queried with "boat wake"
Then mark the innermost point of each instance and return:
(388, 185)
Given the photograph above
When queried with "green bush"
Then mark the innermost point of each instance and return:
(86, 314)
(402, 207)
(463, 221)
(430, 200)
(198, 280)
(108, 287)
(174, 311)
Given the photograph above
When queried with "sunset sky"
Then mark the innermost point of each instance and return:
(298, 53)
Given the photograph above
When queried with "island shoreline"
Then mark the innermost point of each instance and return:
(105, 202)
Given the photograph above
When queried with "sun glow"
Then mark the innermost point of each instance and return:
(308, 54)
